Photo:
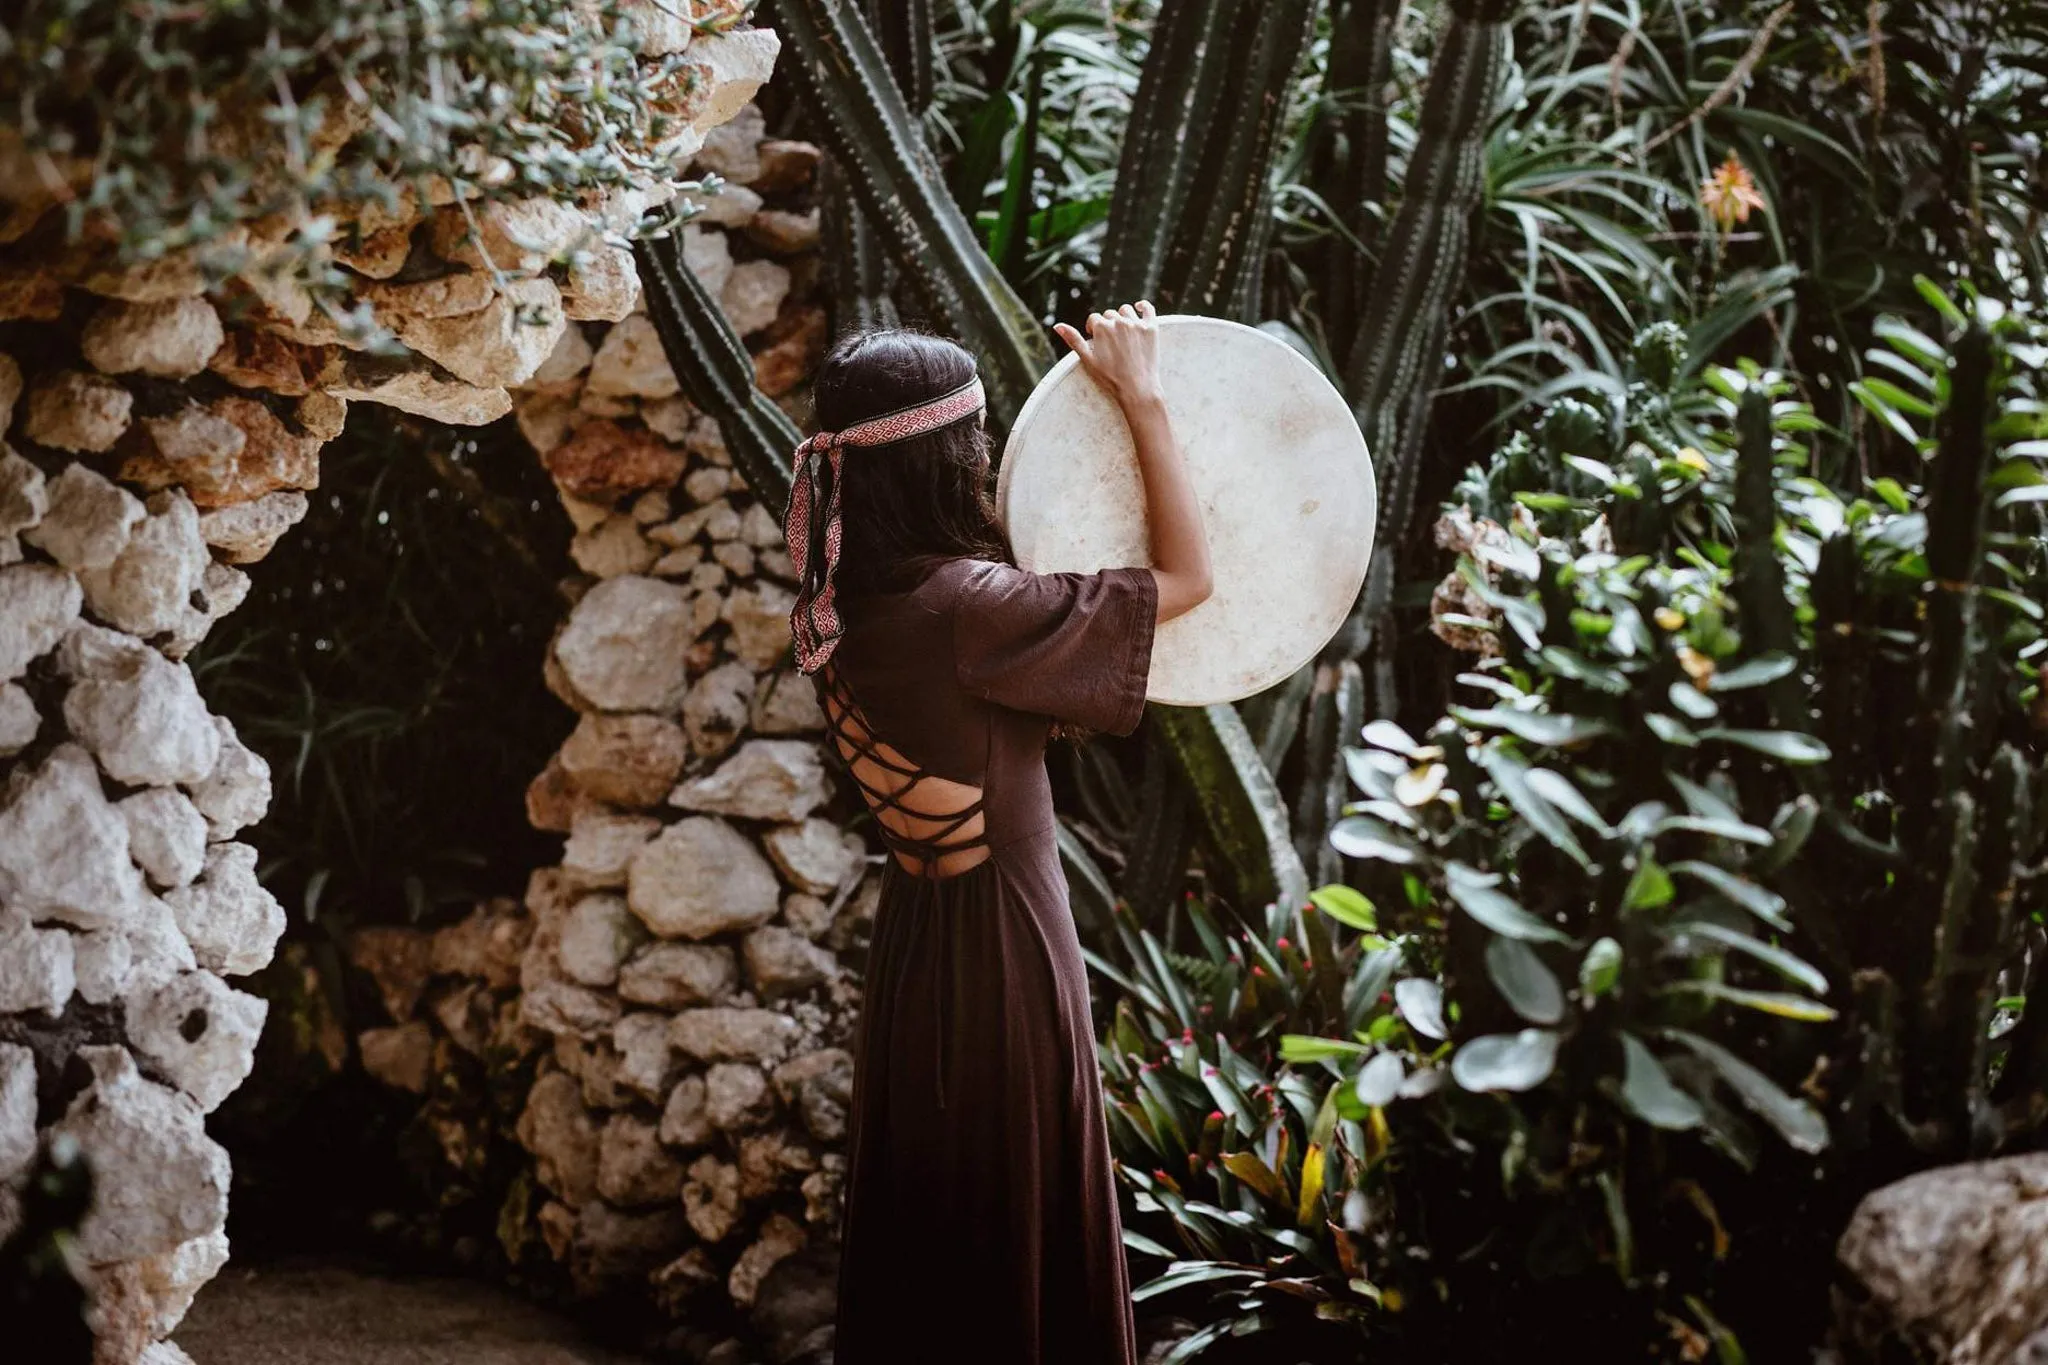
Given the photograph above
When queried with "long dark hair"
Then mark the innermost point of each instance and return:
(908, 505)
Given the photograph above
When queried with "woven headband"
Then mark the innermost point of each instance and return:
(812, 522)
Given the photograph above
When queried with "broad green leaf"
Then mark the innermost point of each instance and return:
(1600, 968)
(1558, 790)
(1511, 777)
(1780, 1003)
(1753, 672)
(1538, 727)
(1798, 1122)
(1346, 906)
(1247, 1167)
(1506, 1061)
(1476, 894)
(1787, 965)
(1766, 904)
(1356, 836)
(1421, 1003)
(1307, 1047)
(1181, 1274)
(1648, 1092)
(1649, 886)
(1384, 734)
(1787, 746)
(1524, 981)
(1379, 1080)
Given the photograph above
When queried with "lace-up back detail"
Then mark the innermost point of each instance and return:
(935, 827)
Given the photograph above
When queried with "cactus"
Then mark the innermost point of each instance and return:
(1336, 711)
(859, 268)
(1353, 152)
(1247, 820)
(863, 120)
(903, 28)
(715, 371)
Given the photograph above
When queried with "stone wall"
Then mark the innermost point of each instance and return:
(165, 422)
(682, 970)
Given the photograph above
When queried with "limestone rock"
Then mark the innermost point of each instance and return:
(562, 1136)
(631, 363)
(701, 877)
(17, 1109)
(423, 391)
(157, 951)
(708, 256)
(142, 717)
(37, 971)
(199, 1033)
(76, 411)
(252, 359)
(633, 1167)
(614, 1247)
(510, 234)
(595, 1064)
(246, 532)
(768, 779)
(173, 339)
(612, 548)
(601, 285)
(725, 1033)
(546, 419)
(10, 389)
(24, 492)
(736, 1097)
(715, 709)
(38, 603)
(647, 1064)
(602, 845)
(783, 962)
(661, 29)
(711, 1198)
(166, 835)
(784, 232)
(630, 760)
(759, 616)
(598, 935)
(815, 856)
(781, 1237)
(236, 793)
(732, 149)
(786, 165)
(231, 920)
(786, 703)
(810, 916)
(88, 521)
(379, 254)
(603, 462)
(149, 586)
(678, 975)
(565, 365)
(222, 588)
(555, 1004)
(730, 207)
(171, 1280)
(158, 1180)
(753, 295)
(726, 72)
(503, 343)
(400, 1057)
(1950, 1264)
(485, 945)
(768, 1160)
(63, 846)
(103, 966)
(625, 642)
(19, 722)
(452, 295)
(819, 1086)
(232, 450)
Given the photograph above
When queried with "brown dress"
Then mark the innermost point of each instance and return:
(981, 1214)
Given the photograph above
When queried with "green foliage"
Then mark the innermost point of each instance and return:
(163, 125)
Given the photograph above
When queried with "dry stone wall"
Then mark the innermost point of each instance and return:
(682, 974)
(162, 426)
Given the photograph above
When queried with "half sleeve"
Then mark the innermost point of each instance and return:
(1075, 647)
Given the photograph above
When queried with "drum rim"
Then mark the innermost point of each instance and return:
(1057, 375)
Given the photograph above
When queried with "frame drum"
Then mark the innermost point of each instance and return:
(1285, 485)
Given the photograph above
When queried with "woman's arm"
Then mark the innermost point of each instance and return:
(1121, 353)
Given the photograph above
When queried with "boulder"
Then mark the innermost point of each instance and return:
(37, 970)
(246, 532)
(199, 1033)
(614, 1248)
(625, 643)
(781, 1237)
(815, 856)
(784, 232)
(103, 966)
(602, 845)
(733, 149)
(76, 411)
(601, 285)
(236, 793)
(157, 951)
(782, 962)
(233, 450)
(786, 703)
(38, 603)
(24, 492)
(231, 920)
(728, 1034)
(148, 588)
(728, 206)
(88, 521)
(711, 1198)
(759, 617)
(647, 1064)
(737, 1097)
(679, 975)
(632, 1165)
(716, 709)
(708, 256)
(562, 1136)
(626, 760)
(1949, 1265)
(631, 363)
(786, 165)
(819, 1087)
(424, 391)
(252, 359)
(170, 1281)
(701, 877)
(768, 779)
(64, 848)
(598, 934)
(753, 295)
(564, 367)
(158, 1180)
(683, 1122)
(142, 718)
(603, 462)
(769, 1160)
(173, 339)
(166, 835)
(502, 343)
(485, 945)
(17, 1110)
(401, 1057)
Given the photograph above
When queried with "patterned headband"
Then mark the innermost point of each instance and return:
(812, 522)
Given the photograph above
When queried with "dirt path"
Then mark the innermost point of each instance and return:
(324, 1315)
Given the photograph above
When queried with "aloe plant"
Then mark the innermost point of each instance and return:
(862, 118)
(715, 371)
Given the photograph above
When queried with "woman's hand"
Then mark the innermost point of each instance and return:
(1121, 351)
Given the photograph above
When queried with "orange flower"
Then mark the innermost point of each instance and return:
(1730, 193)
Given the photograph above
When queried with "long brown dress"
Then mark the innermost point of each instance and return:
(981, 1216)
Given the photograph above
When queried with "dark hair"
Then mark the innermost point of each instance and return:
(910, 504)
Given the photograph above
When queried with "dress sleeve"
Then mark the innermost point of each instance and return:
(1075, 647)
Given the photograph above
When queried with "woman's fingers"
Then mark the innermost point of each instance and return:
(1074, 340)
(1146, 310)
(1129, 312)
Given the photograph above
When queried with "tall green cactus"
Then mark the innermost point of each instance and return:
(1397, 353)
(859, 269)
(863, 120)
(1246, 818)
(903, 29)
(1352, 152)
(715, 371)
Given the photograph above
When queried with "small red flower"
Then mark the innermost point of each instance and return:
(1257, 970)
(1216, 1116)
(1284, 944)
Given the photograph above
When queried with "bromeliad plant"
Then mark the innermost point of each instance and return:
(1737, 835)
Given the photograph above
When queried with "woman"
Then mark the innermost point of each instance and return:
(981, 1217)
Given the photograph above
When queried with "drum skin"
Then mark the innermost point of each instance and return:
(1282, 475)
